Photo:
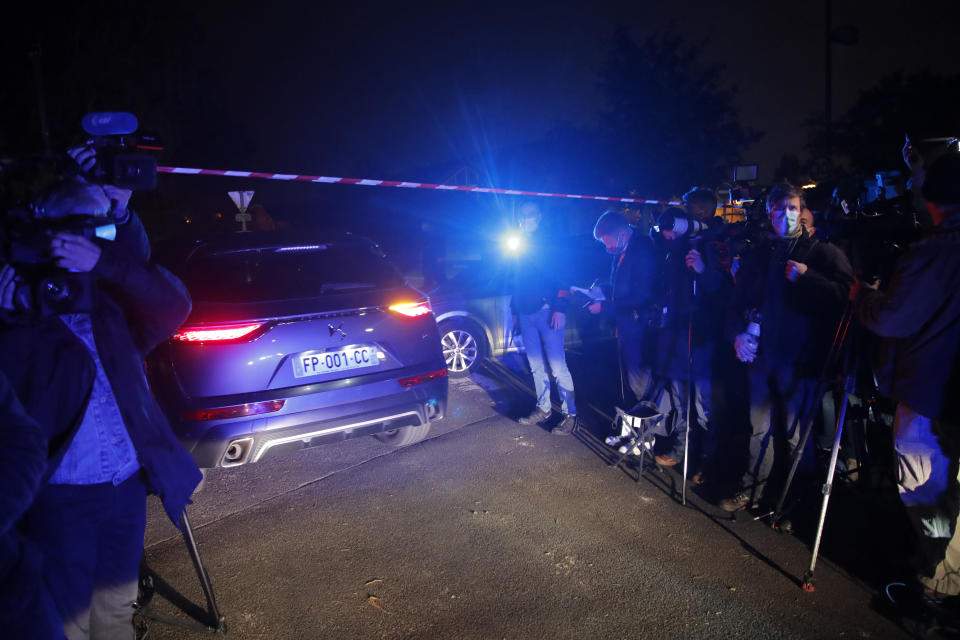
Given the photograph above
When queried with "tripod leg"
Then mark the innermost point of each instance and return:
(806, 423)
(218, 623)
(686, 444)
(836, 350)
(827, 489)
(623, 390)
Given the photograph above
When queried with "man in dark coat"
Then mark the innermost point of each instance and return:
(919, 315)
(630, 298)
(787, 301)
(79, 374)
(694, 289)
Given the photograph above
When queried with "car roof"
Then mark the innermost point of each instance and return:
(182, 248)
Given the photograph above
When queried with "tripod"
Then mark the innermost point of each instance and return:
(686, 432)
(837, 350)
(208, 620)
(848, 388)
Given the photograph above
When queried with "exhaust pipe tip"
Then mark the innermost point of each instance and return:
(236, 453)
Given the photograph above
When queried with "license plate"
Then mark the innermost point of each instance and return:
(314, 363)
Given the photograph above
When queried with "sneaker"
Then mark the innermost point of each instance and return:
(907, 602)
(665, 461)
(738, 502)
(566, 426)
(536, 416)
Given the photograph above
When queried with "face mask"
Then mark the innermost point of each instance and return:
(793, 222)
(787, 225)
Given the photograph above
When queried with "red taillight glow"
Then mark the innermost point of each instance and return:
(217, 333)
(413, 381)
(237, 411)
(412, 309)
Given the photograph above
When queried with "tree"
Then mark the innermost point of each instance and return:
(870, 134)
(670, 123)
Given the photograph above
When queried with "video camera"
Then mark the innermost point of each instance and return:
(875, 218)
(123, 157)
(41, 197)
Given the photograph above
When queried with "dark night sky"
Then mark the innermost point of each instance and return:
(403, 90)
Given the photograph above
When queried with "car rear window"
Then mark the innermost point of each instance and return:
(283, 273)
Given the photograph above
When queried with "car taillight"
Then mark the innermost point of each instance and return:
(412, 309)
(218, 333)
(236, 411)
(412, 381)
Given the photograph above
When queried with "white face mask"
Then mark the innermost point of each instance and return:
(785, 218)
(793, 222)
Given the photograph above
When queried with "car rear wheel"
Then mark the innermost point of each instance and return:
(404, 436)
(464, 347)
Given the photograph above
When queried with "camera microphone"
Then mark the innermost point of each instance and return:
(110, 123)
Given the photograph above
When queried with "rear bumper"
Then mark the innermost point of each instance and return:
(312, 419)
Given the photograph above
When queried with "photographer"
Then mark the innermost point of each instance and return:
(694, 289)
(700, 204)
(919, 315)
(629, 298)
(76, 364)
(787, 300)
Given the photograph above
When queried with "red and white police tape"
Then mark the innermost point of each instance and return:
(292, 177)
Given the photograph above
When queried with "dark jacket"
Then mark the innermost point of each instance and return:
(675, 281)
(535, 279)
(919, 312)
(630, 293)
(799, 319)
(631, 300)
(23, 461)
(136, 305)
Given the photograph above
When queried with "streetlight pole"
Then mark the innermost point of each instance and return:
(828, 77)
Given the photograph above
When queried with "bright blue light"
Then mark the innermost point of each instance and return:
(513, 242)
(106, 232)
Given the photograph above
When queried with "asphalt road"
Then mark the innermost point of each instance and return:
(490, 529)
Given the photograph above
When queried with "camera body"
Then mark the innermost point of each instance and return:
(41, 288)
(873, 218)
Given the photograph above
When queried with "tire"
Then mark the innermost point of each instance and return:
(464, 346)
(403, 436)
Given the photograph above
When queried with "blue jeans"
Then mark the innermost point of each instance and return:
(539, 338)
(91, 538)
(777, 399)
(928, 484)
(703, 443)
